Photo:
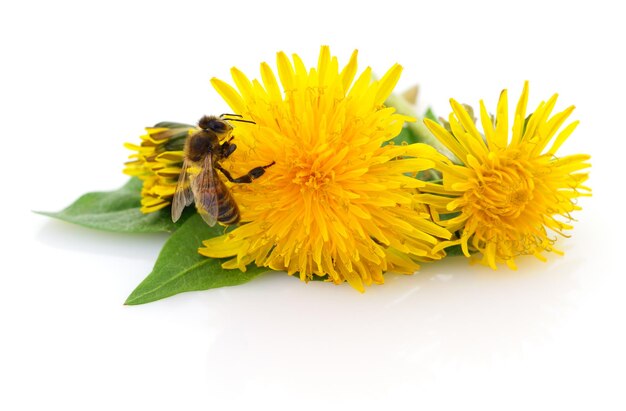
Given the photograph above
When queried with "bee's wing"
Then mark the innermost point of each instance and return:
(204, 188)
(183, 195)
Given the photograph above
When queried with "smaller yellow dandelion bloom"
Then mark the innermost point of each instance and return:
(337, 201)
(509, 196)
(157, 162)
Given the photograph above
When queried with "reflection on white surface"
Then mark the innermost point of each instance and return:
(411, 330)
(61, 235)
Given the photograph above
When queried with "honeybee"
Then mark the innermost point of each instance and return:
(199, 182)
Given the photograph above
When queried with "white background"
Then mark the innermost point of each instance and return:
(78, 79)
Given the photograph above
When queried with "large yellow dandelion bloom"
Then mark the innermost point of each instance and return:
(337, 201)
(511, 195)
(157, 162)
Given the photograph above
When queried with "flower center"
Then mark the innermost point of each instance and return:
(310, 175)
(501, 190)
(310, 179)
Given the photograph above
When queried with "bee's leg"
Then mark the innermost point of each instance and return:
(245, 179)
(228, 148)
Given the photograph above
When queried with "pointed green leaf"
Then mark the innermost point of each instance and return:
(179, 267)
(117, 211)
(406, 136)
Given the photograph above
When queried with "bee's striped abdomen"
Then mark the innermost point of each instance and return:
(228, 212)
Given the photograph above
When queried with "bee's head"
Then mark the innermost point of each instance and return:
(215, 124)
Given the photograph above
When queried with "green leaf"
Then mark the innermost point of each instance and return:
(406, 136)
(117, 211)
(179, 267)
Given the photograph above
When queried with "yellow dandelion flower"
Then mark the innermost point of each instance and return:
(157, 162)
(510, 196)
(337, 201)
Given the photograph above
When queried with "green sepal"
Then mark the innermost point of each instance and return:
(180, 268)
(118, 211)
(176, 142)
(430, 114)
(454, 251)
(315, 277)
(526, 120)
(449, 216)
(172, 124)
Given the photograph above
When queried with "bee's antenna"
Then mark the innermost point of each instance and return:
(241, 120)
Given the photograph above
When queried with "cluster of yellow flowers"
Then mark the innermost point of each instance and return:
(342, 202)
